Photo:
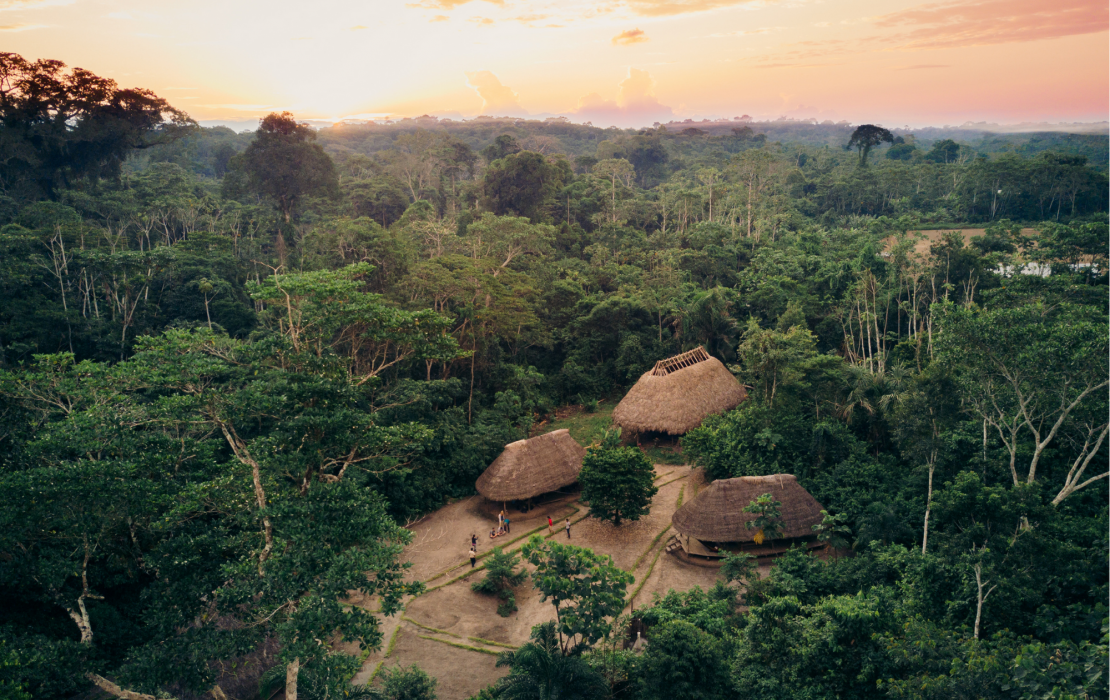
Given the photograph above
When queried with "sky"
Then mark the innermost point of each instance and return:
(623, 62)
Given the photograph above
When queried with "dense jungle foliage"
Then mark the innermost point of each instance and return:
(233, 365)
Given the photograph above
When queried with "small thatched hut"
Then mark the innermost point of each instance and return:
(678, 393)
(528, 468)
(715, 521)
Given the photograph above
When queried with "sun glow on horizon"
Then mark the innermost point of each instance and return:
(625, 63)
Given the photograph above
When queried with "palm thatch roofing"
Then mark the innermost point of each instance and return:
(678, 393)
(530, 467)
(717, 513)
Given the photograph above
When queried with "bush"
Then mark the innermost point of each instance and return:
(501, 577)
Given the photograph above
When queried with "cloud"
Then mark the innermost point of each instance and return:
(635, 103)
(745, 32)
(32, 4)
(481, 20)
(497, 99)
(529, 19)
(358, 27)
(20, 27)
(662, 8)
(449, 4)
(439, 18)
(954, 24)
(629, 37)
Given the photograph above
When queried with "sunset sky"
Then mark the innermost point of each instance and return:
(630, 63)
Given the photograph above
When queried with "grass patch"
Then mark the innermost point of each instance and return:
(664, 455)
(647, 575)
(673, 480)
(460, 577)
(406, 618)
(377, 669)
(460, 646)
(392, 642)
(681, 493)
(586, 428)
(647, 551)
(491, 643)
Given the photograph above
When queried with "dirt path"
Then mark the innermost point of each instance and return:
(455, 634)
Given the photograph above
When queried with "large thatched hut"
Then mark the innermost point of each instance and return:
(528, 468)
(714, 522)
(678, 393)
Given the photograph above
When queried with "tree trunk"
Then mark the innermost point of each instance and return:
(113, 689)
(980, 597)
(929, 501)
(291, 672)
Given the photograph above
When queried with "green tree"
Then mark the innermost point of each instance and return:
(866, 137)
(617, 482)
(832, 530)
(502, 576)
(683, 663)
(410, 683)
(542, 671)
(285, 165)
(584, 587)
(775, 361)
(1035, 374)
(521, 183)
(767, 522)
(62, 127)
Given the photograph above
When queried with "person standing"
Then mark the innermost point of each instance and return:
(473, 557)
(550, 524)
(568, 528)
(507, 521)
(473, 541)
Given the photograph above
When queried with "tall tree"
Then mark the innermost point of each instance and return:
(61, 127)
(866, 137)
(284, 164)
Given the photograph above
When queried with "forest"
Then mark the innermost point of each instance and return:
(234, 366)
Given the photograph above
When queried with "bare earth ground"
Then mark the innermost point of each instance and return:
(449, 613)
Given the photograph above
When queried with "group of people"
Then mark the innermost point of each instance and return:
(502, 528)
(503, 524)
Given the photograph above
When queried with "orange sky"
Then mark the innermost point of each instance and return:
(630, 62)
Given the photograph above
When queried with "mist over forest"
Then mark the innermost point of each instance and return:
(238, 371)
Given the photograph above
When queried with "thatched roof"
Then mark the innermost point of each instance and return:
(716, 514)
(530, 467)
(678, 393)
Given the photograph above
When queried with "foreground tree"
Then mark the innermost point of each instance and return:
(618, 482)
(683, 663)
(1036, 375)
(541, 671)
(63, 127)
(585, 588)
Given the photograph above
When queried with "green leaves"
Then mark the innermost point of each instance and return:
(617, 482)
(586, 588)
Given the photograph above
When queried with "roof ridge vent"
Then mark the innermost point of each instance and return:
(673, 364)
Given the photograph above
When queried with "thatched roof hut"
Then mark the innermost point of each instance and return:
(717, 513)
(530, 467)
(678, 393)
